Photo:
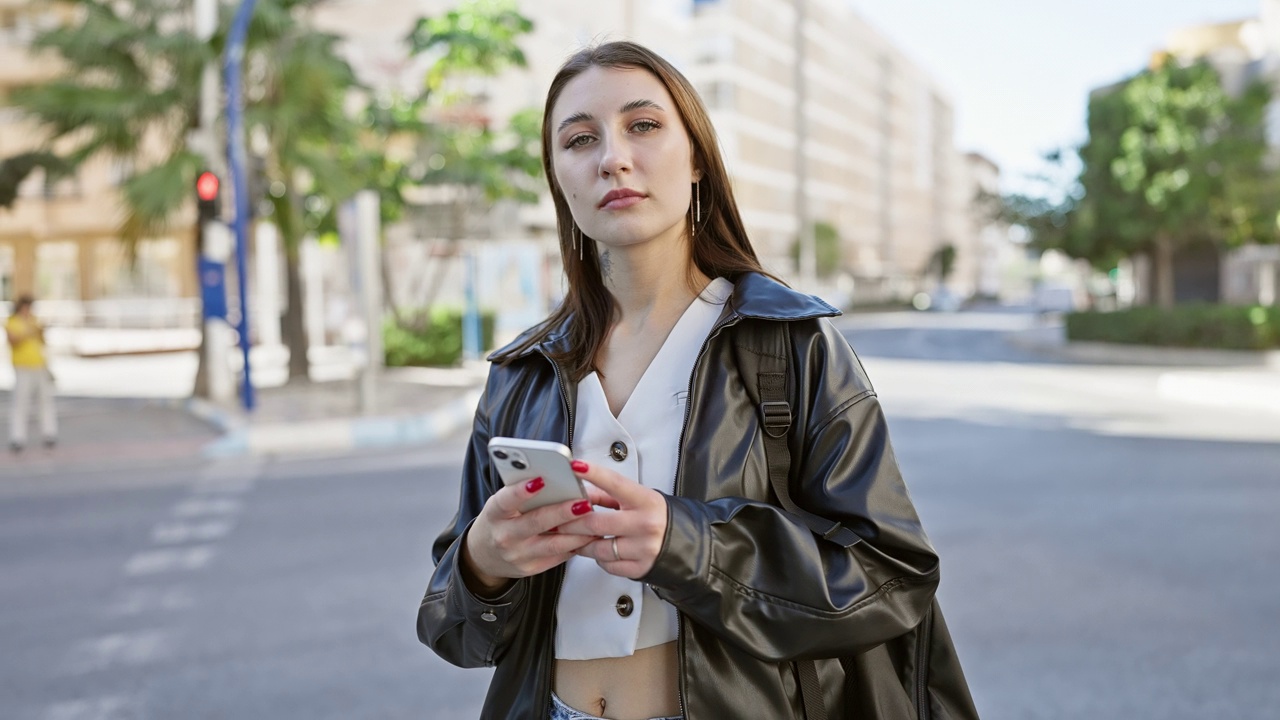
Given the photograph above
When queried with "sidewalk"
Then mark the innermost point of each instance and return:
(121, 411)
(1218, 378)
(411, 406)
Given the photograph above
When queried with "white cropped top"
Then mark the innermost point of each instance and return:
(600, 615)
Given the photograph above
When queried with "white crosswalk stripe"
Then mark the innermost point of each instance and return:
(151, 562)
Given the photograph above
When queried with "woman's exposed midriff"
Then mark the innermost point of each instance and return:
(640, 686)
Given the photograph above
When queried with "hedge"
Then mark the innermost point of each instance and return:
(431, 337)
(1228, 327)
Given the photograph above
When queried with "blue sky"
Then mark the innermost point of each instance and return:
(1018, 72)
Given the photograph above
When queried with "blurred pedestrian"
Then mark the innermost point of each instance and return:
(691, 584)
(32, 379)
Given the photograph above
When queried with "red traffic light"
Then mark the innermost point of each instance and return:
(207, 186)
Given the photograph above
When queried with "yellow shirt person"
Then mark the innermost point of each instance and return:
(28, 350)
(31, 378)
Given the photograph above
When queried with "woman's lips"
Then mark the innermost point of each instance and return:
(620, 198)
(625, 201)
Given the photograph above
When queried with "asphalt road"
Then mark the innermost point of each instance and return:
(1107, 553)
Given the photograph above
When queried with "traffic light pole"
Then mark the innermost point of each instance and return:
(237, 156)
(215, 243)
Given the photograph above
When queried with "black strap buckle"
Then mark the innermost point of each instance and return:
(777, 417)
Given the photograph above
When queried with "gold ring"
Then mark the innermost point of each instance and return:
(614, 544)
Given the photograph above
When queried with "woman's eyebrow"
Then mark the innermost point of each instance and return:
(637, 104)
(575, 118)
(586, 117)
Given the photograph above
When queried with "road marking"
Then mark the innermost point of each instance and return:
(206, 506)
(116, 707)
(138, 601)
(232, 470)
(150, 562)
(229, 487)
(129, 649)
(173, 533)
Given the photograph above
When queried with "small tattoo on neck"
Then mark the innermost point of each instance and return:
(606, 264)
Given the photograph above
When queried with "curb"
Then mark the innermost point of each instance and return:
(1052, 341)
(334, 435)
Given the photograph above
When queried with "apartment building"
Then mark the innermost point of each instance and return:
(875, 131)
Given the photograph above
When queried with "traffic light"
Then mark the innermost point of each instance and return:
(207, 203)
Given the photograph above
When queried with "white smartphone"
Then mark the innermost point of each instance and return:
(519, 461)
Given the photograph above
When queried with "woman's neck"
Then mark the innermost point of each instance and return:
(647, 285)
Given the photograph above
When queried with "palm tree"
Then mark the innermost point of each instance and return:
(131, 92)
(297, 85)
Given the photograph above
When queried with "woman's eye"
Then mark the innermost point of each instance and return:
(577, 141)
(645, 126)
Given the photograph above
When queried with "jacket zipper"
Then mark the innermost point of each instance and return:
(923, 711)
(568, 411)
(684, 429)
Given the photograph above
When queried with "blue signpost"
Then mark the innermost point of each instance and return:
(236, 154)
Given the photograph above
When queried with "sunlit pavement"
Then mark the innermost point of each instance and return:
(1105, 549)
(1106, 538)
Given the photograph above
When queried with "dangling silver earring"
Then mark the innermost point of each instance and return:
(695, 216)
(578, 241)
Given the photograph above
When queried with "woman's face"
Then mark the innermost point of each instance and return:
(622, 157)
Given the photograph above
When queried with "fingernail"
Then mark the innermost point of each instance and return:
(582, 507)
(579, 466)
(534, 485)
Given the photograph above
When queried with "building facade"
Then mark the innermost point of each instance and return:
(871, 133)
(821, 120)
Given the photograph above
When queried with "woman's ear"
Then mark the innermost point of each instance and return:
(697, 174)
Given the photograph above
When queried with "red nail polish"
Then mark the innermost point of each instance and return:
(534, 485)
(579, 466)
(582, 507)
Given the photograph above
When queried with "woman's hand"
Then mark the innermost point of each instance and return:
(504, 543)
(635, 532)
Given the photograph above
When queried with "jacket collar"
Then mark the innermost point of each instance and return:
(754, 296)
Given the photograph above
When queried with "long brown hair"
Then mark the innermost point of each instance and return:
(720, 247)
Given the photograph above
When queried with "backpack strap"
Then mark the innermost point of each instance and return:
(775, 413)
(769, 365)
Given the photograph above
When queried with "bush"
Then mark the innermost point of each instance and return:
(1228, 327)
(431, 337)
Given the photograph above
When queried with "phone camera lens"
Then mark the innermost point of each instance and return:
(499, 454)
(518, 465)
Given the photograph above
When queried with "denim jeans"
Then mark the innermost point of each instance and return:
(560, 711)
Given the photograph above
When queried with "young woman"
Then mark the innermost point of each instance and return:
(681, 588)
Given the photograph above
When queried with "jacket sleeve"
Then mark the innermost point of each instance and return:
(758, 577)
(461, 627)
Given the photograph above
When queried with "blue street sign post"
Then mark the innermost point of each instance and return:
(213, 288)
(236, 155)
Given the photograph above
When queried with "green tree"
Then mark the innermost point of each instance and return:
(827, 244)
(1171, 160)
(130, 92)
(307, 143)
(16, 169)
(459, 151)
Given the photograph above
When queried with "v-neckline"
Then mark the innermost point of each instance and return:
(665, 348)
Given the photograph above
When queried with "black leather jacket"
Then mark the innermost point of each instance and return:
(755, 588)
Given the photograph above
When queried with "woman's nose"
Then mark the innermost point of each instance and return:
(616, 158)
